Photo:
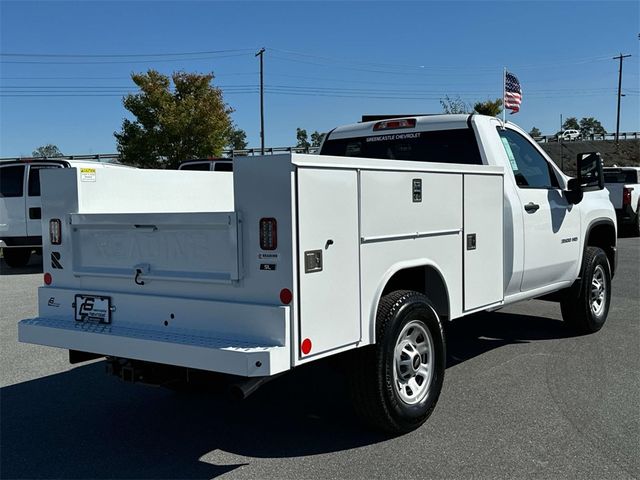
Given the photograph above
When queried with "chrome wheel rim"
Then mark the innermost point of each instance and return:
(598, 291)
(413, 363)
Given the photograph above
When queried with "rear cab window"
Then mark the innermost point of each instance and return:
(443, 146)
(12, 181)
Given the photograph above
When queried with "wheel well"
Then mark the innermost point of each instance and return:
(603, 235)
(424, 279)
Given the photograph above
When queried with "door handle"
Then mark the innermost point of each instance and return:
(531, 207)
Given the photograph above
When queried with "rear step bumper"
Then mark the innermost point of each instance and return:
(144, 342)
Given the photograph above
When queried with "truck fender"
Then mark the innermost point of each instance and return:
(604, 236)
(433, 285)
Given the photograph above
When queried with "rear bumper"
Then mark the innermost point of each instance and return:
(626, 215)
(240, 339)
(153, 345)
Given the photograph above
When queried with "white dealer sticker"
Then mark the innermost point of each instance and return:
(87, 174)
(396, 136)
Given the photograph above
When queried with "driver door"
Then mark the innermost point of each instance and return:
(551, 223)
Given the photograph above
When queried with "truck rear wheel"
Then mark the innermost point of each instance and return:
(16, 257)
(586, 305)
(396, 383)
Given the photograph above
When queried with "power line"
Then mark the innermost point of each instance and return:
(123, 55)
(110, 62)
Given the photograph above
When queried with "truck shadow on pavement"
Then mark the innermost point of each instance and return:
(83, 424)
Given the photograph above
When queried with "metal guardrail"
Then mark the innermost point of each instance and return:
(114, 157)
(590, 138)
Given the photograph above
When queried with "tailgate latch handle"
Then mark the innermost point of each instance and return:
(140, 269)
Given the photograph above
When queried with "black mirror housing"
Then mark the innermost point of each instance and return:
(573, 193)
(590, 175)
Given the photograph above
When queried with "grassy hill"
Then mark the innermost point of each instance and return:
(564, 154)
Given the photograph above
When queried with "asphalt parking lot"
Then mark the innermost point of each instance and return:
(522, 398)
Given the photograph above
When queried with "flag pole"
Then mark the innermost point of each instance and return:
(504, 93)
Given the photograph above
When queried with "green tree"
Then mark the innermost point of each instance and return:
(571, 123)
(454, 105)
(316, 138)
(237, 139)
(47, 151)
(493, 108)
(590, 126)
(302, 138)
(535, 132)
(172, 125)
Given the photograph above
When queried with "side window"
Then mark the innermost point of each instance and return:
(530, 168)
(196, 166)
(12, 181)
(34, 179)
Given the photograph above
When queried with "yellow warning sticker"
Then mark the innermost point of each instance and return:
(87, 174)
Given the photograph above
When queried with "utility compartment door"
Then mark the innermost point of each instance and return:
(483, 240)
(328, 259)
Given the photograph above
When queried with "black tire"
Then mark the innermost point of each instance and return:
(585, 306)
(16, 257)
(374, 390)
(635, 226)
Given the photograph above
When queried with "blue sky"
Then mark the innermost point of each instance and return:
(326, 63)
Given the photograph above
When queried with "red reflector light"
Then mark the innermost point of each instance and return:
(626, 196)
(55, 231)
(48, 279)
(306, 346)
(395, 124)
(268, 234)
(286, 296)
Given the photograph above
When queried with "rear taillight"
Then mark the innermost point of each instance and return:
(626, 195)
(268, 234)
(55, 231)
(47, 278)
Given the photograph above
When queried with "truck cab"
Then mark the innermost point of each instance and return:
(545, 229)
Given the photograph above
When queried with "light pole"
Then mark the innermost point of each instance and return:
(261, 54)
(619, 57)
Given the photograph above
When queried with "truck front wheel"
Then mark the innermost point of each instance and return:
(586, 305)
(16, 257)
(396, 383)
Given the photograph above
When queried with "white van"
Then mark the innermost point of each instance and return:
(20, 207)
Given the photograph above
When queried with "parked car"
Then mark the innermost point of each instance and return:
(569, 135)
(20, 206)
(623, 184)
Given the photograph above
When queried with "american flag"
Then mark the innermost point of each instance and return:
(512, 93)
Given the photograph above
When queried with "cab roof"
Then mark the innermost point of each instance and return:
(423, 123)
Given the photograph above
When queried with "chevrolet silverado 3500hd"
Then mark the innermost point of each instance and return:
(395, 228)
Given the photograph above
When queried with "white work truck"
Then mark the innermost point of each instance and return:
(623, 184)
(365, 250)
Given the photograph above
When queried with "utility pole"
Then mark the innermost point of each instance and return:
(619, 57)
(261, 54)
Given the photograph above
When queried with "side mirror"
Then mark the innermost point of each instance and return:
(589, 167)
(573, 193)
